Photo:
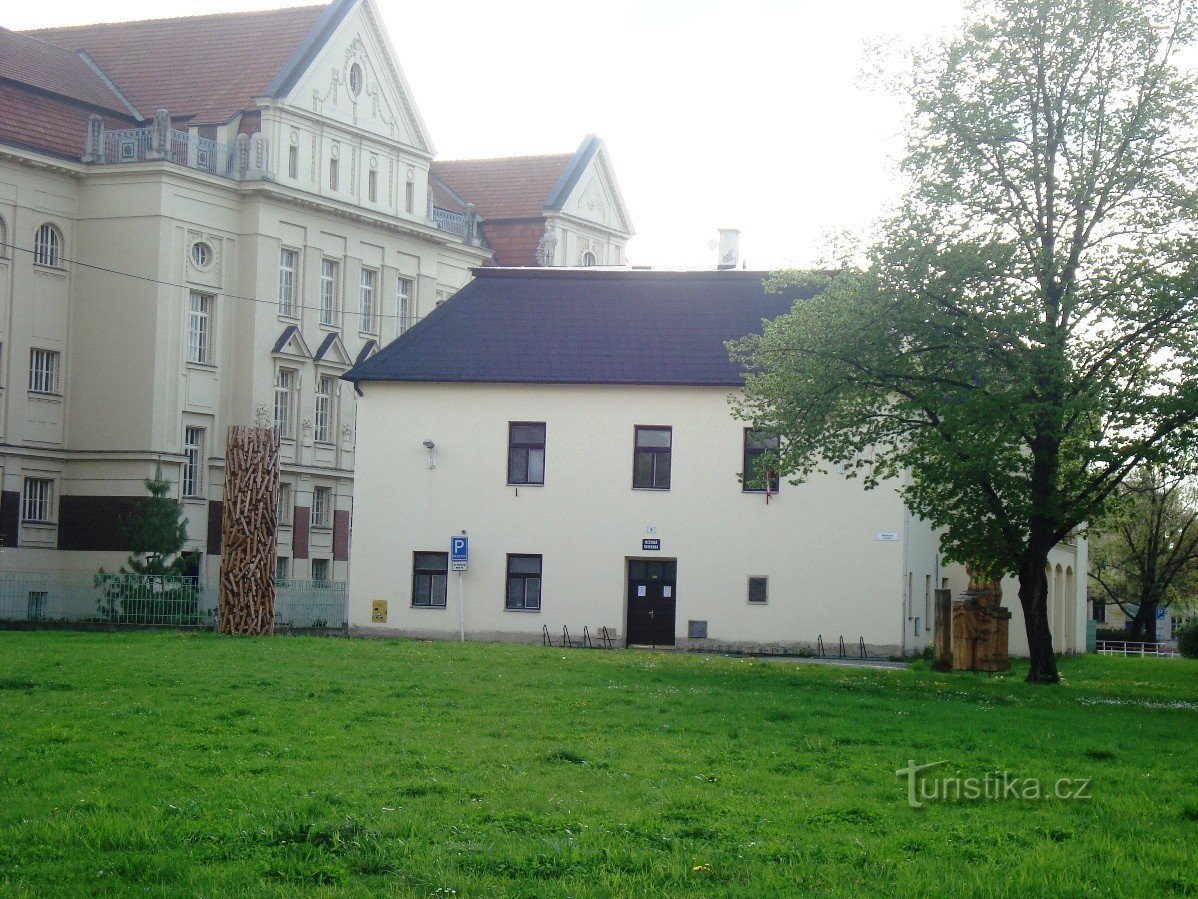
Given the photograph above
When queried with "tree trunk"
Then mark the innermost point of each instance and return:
(1033, 597)
(1143, 625)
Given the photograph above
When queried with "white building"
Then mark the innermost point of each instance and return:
(205, 222)
(581, 438)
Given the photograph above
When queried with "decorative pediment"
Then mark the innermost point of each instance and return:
(588, 191)
(291, 345)
(332, 352)
(371, 347)
(355, 79)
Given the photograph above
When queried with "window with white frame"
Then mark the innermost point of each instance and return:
(367, 312)
(330, 277)
(321, 498)
(199, 329)
(409, 200)
(293, 163)
(285, 380)
(47, 246)
(404, 305)
(37, 500)
(43, 370)
(193, 461)
(372, 186)
(286, 506)
(333, 174)
(282, 569)
(326, 409)
(288, 263)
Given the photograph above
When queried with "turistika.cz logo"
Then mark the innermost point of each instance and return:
(993, 786)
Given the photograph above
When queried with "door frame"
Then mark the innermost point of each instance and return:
(628, 560)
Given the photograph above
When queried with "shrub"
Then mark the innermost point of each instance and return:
(1187, 641)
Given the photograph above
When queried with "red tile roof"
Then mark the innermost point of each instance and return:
(203, 69)
(47, 123)
(516, 187)
(514, 243)
(35, 63)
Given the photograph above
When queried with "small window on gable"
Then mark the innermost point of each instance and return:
(47, 246)
(372, 186)
(293, 163)
(759, 591)
(355, 79)
(409, 201)
(588, 259)
(333, 174)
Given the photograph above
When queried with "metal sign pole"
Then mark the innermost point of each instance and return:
(461, 610)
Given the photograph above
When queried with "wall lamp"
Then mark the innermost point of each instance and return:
(432, 453)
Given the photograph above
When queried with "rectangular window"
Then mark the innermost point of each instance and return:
(288, 262)
(285, 402)
(759, 589)
(367, 315)
(404, 310)
(526, 452)
(320, 506)
(293, 163)
(524, 582)
(430, 571)
(37, 500)
(651, 458)
(282, 570)
(330, 272)
(286, 510)
(410, 197)
(333, 173)
(35, 608)
(193, 461)
(199, 321)
(755, 477)
(320, 571)
(372, 186)
(326, 408)
(43, 371)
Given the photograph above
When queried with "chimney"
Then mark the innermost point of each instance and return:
(729, 249)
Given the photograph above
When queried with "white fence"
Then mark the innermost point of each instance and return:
(1129, 648)
(63, 597)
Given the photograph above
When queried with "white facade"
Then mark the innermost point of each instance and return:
(838, 559)
(181, 302)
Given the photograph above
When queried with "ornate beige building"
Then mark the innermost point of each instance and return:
(205, 222)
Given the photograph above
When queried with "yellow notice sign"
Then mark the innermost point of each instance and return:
(378, 610)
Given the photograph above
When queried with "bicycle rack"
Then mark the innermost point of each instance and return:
(862, 651)
(566, 642)
(819, 646)
(841, 648)
(546, 640)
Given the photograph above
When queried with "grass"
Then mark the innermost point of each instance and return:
(171, 764)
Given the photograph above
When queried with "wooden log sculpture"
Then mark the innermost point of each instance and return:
(981, 627)
(248, 531)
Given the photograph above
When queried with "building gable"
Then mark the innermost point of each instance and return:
(291, 345)
(354, 78)
(587, 189)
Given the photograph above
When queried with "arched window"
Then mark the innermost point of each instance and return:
(47, 246)
(3, 239)
(588, 258)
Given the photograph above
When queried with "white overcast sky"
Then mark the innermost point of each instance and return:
(748, 114)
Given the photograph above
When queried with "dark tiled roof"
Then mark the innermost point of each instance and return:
(571, 326)
(35, 63)
(201, 68)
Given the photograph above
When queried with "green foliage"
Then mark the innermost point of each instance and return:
(184, 764)
(1026, 331)
(1146, 556)
(1187, 641)
(158, 582)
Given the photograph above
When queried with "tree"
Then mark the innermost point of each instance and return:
(1146, 558)
(1024, 334)
(157, 581)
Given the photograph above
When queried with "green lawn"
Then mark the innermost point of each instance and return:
(185, 764)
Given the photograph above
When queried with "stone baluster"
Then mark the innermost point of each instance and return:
(471, 223)
(258, 158)
(160, 135)
(243, 156)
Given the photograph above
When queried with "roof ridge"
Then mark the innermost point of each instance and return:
(246, 13)
(566, 156)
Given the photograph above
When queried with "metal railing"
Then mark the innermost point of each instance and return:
(137, 145)
(450, 222)
(67, 597)
(1134, 648)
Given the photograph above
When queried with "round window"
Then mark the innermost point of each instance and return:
(355, 79)
(201, 254)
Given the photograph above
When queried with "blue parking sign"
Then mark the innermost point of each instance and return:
(459, 552)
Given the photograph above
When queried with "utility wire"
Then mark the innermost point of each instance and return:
(223, 295)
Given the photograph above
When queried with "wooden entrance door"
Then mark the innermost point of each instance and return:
(651, 602)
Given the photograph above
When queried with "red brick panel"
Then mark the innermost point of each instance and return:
(299, 532)
(341, 535)
(10, 517)
(216, 512)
